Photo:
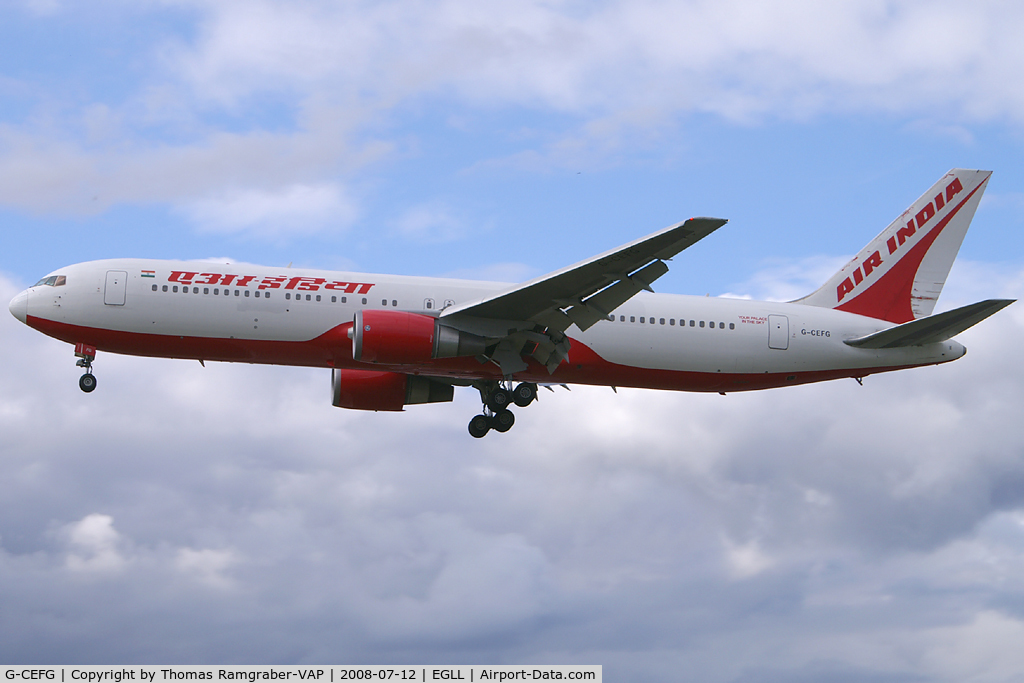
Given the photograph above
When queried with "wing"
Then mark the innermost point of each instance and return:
(532, 318)
(589, 290)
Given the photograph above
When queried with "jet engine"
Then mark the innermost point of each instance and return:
(375, 390)
(399, 337)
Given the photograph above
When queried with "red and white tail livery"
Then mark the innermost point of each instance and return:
(898, 276)
(392, 341)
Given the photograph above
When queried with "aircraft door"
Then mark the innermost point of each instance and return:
(114, 292)
(778, 332)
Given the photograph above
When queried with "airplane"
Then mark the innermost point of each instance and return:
(392, 341)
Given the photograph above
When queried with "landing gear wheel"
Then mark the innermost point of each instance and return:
(499, 399)
(503, 421)
(479, 426)
(87, 382)
(524, 394)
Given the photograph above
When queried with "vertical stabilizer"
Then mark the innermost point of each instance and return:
(898, 277)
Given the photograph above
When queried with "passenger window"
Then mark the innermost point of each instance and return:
(632, 318)
(702, 323)
(661, 322)
(428, 304)
(165, 288)
(175, 289)
(308, 297)
(622, 318)
(721, 326)
(216, 291)
(206, 290)
(691, 323)
(318, 297)
(257, 294)
(288, 295)
(732, 326)
(154, 288)
(641, 318)
(344, 299)
(383, 302)
(236, 292)
(247, 294)
(334, 299)
(364, 300)
(671, 321)
(266, 295)
(195, 290)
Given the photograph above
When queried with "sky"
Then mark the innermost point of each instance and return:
(230, 514)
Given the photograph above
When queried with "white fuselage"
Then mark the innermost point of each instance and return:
(239, 312)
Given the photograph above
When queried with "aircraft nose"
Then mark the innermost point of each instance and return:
(19, 306)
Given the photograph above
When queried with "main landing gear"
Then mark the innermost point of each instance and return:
(86, 355)
(497, 398)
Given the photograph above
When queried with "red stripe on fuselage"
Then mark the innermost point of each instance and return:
(334, 349)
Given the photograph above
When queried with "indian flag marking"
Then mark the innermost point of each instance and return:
(149, 273)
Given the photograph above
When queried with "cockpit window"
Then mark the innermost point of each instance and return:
(52, 281)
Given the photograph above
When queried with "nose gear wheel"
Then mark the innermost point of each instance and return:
(87, 382)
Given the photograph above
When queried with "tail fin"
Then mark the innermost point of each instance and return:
(898, 277)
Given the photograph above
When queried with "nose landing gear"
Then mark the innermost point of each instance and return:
(496, 399)
(86, 355)
(87, 382)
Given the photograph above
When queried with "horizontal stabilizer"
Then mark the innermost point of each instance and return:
(935, 328)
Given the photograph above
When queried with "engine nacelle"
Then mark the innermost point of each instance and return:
(375, 390)
(400, 337)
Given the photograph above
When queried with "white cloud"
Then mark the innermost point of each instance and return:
(986, 649)
(43, 7)
(746, 560)
(786, 280)
(207, 566)
(622, 74)
(256, 174)
(431, 223)
(297, 209)
(496, 272)
(93, 543)
(739, 59)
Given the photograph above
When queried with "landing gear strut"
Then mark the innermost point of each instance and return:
(497, 396)
(86, 355)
